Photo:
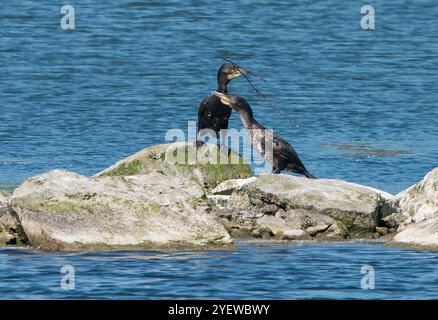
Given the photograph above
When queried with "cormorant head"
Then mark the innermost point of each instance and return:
(234, 101)
(228, 72)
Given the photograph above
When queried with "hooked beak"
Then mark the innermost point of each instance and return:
(236, 73)
(224, 98)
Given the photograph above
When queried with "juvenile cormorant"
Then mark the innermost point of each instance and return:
(212, 113)
(284, 156)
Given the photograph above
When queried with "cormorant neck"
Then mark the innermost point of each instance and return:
(247, 117)
(222, 83)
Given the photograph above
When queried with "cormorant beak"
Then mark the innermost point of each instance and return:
(236, 73)
(224, 98)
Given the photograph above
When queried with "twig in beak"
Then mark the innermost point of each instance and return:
(267, 100)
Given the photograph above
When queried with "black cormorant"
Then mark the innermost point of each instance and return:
(212, 113)
(284, 156)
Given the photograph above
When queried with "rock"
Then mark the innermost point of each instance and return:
(10, 229)
(61, 210)
(336, 231)
(7, 238)
(182, 159)
(227, 187)
(220, 200)
(272, 223)
(294, 234)
(419, 206)
(394, 220)
(360, 209)
(382, 230)
(419, 234)
(421, 200)
(317, 229)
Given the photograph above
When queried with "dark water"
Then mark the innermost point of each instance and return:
(366, 102)
(299, 271)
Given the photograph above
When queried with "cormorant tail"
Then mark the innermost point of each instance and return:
(301, 170)
(308, 175)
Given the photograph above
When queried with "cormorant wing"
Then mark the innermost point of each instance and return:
(286, 151)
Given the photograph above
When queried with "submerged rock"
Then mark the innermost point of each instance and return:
(206, 164)
(321, 208)
(61, 210)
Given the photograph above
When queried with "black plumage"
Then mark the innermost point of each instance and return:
(212, 113)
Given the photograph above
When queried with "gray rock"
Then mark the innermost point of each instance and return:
(419, 206)
(360, 209)
(274, 224)
(421, 200)
(201, 164)
(60, 210)
(336, 231)
(317, 229)
(10, 229)
(227, 187)
(419, 234)
(294, 234)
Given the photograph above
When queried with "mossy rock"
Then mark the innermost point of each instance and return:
(206, 164)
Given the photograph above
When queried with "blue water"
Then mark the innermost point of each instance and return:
(366, 103)
(252, 271)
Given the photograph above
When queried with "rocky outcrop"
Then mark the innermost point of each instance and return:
(61, 210)
(289, 207)
(206, 164)
(419, 208)
(170, 196)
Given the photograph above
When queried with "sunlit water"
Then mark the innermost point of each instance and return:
(252, 271)
(366, 103)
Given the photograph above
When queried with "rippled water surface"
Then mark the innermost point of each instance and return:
(366, 103)
(252, 271)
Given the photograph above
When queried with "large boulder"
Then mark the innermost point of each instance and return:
(10, 229)
(420, 201)
(205, 164)
(419, 206)
(280, 205)
(61, 210)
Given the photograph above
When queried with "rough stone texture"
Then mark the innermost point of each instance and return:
(316, 204)
(61, 210)
(227, 187)
(205, 165)
(424, 233)
(419, 206)
(10, 229)
(420, 201)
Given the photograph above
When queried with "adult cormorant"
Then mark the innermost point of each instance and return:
(212, 113)
(283, 156)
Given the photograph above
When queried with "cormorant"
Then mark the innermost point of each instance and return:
(284, 156)
(212, 113)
